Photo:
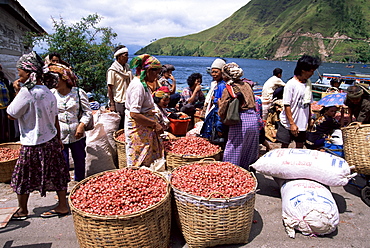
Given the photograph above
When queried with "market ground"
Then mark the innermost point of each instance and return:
(267, 229)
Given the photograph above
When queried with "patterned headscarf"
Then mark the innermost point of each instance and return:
(232, 71)
(32, 63)
(145, 62)
(161, 94)
(65, 73)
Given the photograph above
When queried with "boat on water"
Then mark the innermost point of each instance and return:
(322, 85)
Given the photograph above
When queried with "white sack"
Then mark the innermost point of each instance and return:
(291, 163)
(309, 207)
(98, 151)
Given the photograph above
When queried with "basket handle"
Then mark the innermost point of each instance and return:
(208, 159)
(213, 193)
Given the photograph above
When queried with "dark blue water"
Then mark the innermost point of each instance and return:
(257, 70)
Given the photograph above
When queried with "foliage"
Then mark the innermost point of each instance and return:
(262, 27)
(87, 47)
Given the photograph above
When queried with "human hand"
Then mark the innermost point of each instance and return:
(294, 129)
(80, 130)
(158, 128)
(198, 88)
(17, 85)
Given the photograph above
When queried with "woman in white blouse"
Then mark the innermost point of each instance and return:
(142, 130)
(70, 100)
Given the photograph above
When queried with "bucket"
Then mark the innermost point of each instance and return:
(178, 127)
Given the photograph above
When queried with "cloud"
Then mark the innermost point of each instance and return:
(137, 22)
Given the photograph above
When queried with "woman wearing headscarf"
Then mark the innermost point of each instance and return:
(142, 130)
(40, 165)
(71, 101)
(242, 144)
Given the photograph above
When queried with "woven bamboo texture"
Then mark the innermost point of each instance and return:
(121, 149)
(356, 146)
(174, 160)
(146, 228)
(7, 167)
(209, 222)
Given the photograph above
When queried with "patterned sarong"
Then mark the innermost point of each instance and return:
(143, 145)
(242, 144)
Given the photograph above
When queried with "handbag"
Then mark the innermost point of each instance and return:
(232, 114)
(90, 125)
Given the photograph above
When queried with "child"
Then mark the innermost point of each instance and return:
(323, 127)
(272, 119)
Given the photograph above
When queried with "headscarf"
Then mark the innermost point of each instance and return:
(33, 63)
(65, 73)
(232, 71)
(145, 62)
(161, 94)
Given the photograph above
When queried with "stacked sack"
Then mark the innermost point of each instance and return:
(307, 206)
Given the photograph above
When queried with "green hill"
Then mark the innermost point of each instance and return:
(337, 30)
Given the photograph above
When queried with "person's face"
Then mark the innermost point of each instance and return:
(356, 100)
(23, 75)
(167, 74)
(55, 60)
(198, 81)
(307, 74)
(278, 108)
(163, 103)
(152, 74)
(331, 111)
(216, 74)
(336, 84)
(122, 58)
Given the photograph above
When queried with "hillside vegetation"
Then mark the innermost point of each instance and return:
(336, 30)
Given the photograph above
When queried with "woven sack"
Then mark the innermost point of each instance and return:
(356, 144)
(7, 167)
(146, 228)
(121, 149)
(207, 222)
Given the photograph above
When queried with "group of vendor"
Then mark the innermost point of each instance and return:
(52, 114)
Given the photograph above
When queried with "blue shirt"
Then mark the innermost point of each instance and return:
(218, 91)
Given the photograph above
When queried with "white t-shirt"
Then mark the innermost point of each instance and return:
(120, 81)
(269, 87)
(137, 99)
(35, 110)
(294, 93)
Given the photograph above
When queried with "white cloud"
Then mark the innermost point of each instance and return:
(137, 22)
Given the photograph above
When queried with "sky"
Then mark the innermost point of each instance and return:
(139, 22)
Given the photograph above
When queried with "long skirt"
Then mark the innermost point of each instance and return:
(143, 145)
(42, 168)
(242, 144)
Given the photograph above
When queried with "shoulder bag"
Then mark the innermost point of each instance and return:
(90, 125)
(232, 114)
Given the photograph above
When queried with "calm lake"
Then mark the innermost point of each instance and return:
(257, 70)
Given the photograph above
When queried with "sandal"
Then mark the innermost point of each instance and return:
(18, 216)
(53, 213)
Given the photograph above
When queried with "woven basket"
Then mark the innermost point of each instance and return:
(208, 222)
(146, 228)
(121, 149)
(356, 144)
(174, 160)
(7, 167)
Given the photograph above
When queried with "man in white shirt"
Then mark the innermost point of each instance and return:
(119, 77)
(297, 98)
(268, 90)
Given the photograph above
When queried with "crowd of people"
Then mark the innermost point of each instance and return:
(51, 115)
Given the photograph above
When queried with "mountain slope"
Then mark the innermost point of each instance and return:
(275, 29)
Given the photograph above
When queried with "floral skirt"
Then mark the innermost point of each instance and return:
(42, 168)
(143, 145)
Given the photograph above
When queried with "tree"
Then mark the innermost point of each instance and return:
(86, 47)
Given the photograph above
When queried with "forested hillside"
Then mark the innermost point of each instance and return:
(336, 30)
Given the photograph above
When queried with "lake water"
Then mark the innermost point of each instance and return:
(256, 70)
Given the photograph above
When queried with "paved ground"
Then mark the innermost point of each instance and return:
(268, 231)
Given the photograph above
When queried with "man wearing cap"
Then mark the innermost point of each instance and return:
(358, 102)
(119, 77)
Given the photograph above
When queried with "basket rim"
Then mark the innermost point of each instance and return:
(115, 217)
(116, 134)
(356, 125)
(10, 143)
(201, 198)
(195, 156)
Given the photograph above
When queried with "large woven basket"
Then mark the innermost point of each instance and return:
(208, 222)
(7, 167)
(175, 160)
(121, 149)
(356, 144)
(146, 228)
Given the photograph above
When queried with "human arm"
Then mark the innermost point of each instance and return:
(193, 97)
(364, 115)
(173, 85)
(112, 106)
(86, 113)
(293, 127)
(145, 121)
